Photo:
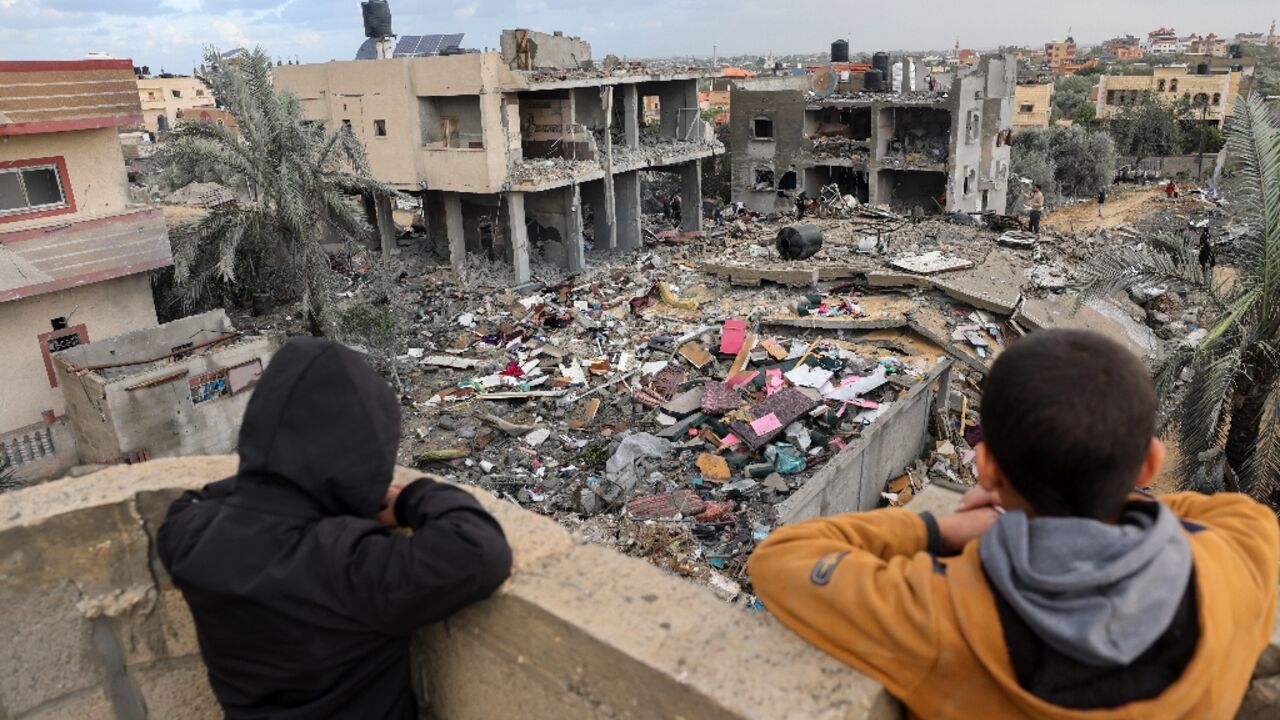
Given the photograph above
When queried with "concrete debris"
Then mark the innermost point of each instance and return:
(930, 262)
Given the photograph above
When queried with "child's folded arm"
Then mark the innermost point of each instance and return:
(1249, 527)
(859, 586)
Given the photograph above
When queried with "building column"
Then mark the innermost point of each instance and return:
(627, 203)
(691, 196)
(575, 250)
(519, 233)
(386, 224)
(457, 238)
(631, 115)
(596, 194)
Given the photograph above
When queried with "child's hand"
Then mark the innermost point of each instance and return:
(387, 515)
(979, 497)
(955, 531)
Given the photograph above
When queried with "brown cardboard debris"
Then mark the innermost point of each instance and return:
(695, 354)
(713, 467)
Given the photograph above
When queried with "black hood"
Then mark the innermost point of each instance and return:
(324, 422)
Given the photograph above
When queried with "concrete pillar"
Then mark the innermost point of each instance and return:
(627, 202)
(691, 196)
(596, 194)
(386, 224)
(457, 238)
(519, 236)
(631, 115)
(575, 251)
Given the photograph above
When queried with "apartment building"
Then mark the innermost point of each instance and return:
(1200, 85)
(945, 149)
(1032, 106)
(166, 99)
(518, 150)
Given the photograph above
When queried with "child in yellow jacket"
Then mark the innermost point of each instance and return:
(1056, 591)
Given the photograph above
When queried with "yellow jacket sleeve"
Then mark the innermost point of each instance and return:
(1247, 528)
(861, 587)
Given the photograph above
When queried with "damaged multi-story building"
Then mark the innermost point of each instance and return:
(534, 148)
(894, 134)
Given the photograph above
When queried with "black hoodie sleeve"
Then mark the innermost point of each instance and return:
(174, 521)
(456, 556)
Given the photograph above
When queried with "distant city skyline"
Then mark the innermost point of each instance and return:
(169, 34)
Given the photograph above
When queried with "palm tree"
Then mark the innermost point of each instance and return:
(1230, 402)
(9, 479)
(298, 177)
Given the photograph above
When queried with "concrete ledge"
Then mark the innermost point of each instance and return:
(94, 628)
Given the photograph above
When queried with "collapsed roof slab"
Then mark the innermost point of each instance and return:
(1102, 316)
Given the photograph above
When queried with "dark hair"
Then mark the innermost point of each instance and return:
(1068, 416)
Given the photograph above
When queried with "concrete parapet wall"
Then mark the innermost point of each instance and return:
(94, 629)
(854, 478)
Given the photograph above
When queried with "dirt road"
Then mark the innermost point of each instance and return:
(1121, 207)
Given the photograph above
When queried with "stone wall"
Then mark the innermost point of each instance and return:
(94, 630)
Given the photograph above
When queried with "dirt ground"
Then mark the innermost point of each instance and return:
(1121, 207)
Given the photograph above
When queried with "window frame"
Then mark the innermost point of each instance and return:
(59, 166)
(380, 128)
(81, 330)
(773, 128)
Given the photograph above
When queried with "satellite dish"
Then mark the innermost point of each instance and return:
(822, 82)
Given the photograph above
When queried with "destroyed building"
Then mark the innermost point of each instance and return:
(910, 147)
(74, 250)
(169, 391)
(520, 151)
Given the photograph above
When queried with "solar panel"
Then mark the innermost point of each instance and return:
(421, 45)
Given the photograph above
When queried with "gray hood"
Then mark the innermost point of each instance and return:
(1099, 593)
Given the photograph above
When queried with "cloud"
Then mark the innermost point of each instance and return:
(465, 11)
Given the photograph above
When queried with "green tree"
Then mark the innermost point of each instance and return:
(1230, 402)
(9, 479)
(1085, 114)
(1069, 93)
(1028, 166)
(1068, 161)
(1146, 128)
(298, 177)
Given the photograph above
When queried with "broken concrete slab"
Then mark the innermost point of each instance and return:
(1102, 316)
(752, 277)
(449, 361)
(929, 322)
(686, 403)
(682, 427)
(994, 285)
(931, 262)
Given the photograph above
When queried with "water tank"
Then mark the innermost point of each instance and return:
(797, 242)
(880, 61)
(377, 18)
(840, 51)
(874, 80)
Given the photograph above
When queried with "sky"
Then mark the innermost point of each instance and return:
(169, 34)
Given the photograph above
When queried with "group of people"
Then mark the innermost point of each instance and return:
(1059, 589)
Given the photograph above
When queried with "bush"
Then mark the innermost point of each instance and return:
(1065, 161)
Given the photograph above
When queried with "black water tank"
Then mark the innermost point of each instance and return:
(377, 18)
(880, 61)
(840, 51)
(1202, 69)
(797, 242)
(874, 81)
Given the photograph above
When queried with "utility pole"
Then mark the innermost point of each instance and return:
(1204, 110)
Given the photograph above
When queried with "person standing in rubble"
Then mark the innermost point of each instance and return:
(1207, 257)
(1102, 200)
(1035, 203)
(674, 206)
(304, 596)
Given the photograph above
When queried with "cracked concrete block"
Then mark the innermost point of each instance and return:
(177, 689)
(90, 704)
(556, 632)
(1262, 700)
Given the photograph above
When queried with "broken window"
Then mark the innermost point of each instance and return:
(1201, 99)
(380, 128)
(30, 189)
(973, 126)
(764, 178)
(1027, 107)
(1217, 99)
(199, 93)
(1160, 86)
(762, 128)
(451, 122)
(176, 93)
(970, 180)
(1173, 86)
(1111, 97)
(209, 386)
